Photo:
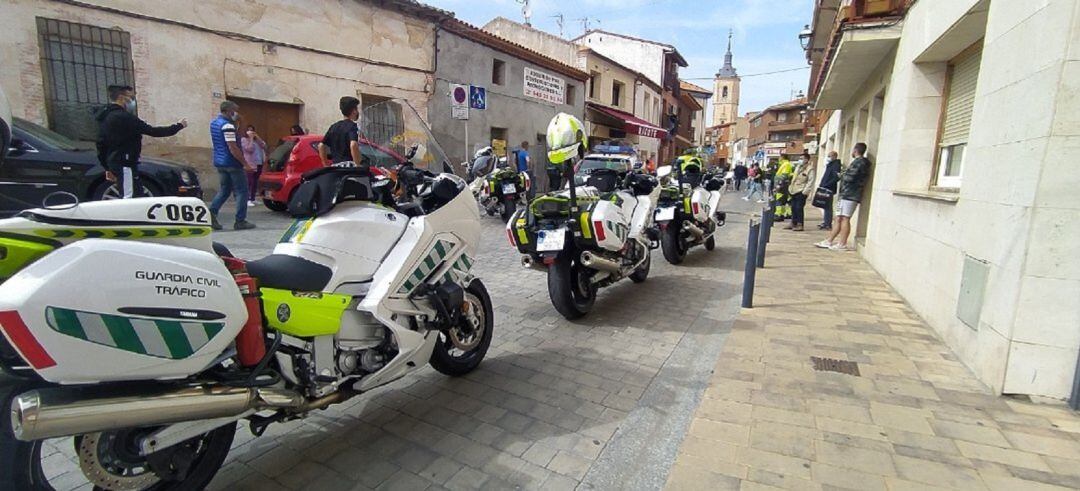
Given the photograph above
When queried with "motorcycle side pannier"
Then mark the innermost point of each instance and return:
(107, 310)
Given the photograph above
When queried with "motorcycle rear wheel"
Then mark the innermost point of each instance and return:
(569, 286)
(447, 357)
(672, 244)
(21, 462)
(509, 206)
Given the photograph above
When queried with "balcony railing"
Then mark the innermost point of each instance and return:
(854, 12)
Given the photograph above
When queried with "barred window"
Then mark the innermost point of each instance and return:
(78, 63)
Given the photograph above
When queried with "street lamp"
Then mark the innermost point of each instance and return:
(804, 37)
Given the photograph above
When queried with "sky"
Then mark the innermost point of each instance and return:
(765, 34)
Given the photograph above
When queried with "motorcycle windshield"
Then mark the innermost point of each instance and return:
(394, 127)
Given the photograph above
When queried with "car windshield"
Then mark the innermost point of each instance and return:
(50, 137)
(393, 127)
(590, 164)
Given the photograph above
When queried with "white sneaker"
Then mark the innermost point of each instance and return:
(824, 244)
(744, 198)
(251, 203)
(841, 248)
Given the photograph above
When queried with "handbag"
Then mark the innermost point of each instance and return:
(822, 197)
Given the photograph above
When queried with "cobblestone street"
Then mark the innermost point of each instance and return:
(549, 406)
(604, 400)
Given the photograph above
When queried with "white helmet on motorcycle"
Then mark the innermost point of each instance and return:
(483, 152)
(565, 138)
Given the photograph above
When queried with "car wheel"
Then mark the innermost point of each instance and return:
(110, 190)
(275, 205)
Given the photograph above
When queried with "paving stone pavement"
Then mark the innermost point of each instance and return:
(605, 400)
(915, 417)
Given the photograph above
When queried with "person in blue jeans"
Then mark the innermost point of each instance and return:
(522, 160)
(231, 166)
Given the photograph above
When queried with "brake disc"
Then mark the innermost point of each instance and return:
(466, 338)
(107, 463)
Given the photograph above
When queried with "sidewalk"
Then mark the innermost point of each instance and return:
(914, 418)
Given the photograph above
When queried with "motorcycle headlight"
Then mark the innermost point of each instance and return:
(187, 177)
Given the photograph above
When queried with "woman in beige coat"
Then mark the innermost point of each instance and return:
(801, 187)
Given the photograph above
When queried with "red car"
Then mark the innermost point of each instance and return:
(299, 154)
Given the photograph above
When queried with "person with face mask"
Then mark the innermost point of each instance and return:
(231, 166)
(255, 154)
(119, 141)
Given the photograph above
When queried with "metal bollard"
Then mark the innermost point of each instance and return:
(767, 216)
(762, 241)
(750, 271)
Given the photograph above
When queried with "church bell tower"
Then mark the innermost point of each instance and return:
(726, 91)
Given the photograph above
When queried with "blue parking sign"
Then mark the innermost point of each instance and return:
(477, 97)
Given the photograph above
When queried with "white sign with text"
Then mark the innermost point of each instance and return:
(548, 88)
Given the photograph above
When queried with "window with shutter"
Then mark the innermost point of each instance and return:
(963, 76)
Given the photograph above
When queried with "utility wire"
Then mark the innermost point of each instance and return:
(756, 74)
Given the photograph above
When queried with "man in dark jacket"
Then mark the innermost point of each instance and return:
(119, 142)
(852, 182)
(829, 180)
(740, 175)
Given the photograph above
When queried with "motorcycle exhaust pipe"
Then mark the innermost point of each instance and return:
(694, 230)
(527, 261)
(57, 412)
(594, 261)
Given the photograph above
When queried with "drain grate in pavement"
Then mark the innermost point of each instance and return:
(833, 365)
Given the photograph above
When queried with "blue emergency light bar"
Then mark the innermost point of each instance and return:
(609, 148)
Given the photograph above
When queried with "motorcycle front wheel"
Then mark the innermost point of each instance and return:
(108, 460)
(570, 287)
(460, 349)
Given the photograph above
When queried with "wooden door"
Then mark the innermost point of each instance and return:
(272, 120)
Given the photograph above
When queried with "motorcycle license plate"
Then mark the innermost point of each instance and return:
(666, 213)
(509, 188)
(551, 240)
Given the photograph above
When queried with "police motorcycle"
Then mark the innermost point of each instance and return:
(146, 374)
(502, 190)
(688, 212)
(590, 236)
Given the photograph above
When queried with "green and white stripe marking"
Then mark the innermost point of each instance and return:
(162, 338)
(459, 271)
(427, 266)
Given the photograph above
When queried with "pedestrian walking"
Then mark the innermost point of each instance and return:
(852, 183)
(254, 148)
(754, 184)
(802, 184)
(729, 180)
(341, 143)
(231, 166)
(740, 175)
(829, 180)
(522, 161)
(119, 141)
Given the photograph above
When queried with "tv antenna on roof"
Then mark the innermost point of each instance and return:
(526, 10)
(560, 20)
(585, 22)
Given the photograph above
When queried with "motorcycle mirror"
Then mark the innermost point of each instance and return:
(663, 171)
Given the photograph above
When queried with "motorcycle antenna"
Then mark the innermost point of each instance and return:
(560, 20)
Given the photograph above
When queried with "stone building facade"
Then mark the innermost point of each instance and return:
(969, 108)
(282, 61)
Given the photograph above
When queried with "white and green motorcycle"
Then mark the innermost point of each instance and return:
(129, 333)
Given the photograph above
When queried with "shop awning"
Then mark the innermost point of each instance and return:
(630, 123)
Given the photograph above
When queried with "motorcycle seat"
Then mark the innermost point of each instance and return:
(286, 272)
